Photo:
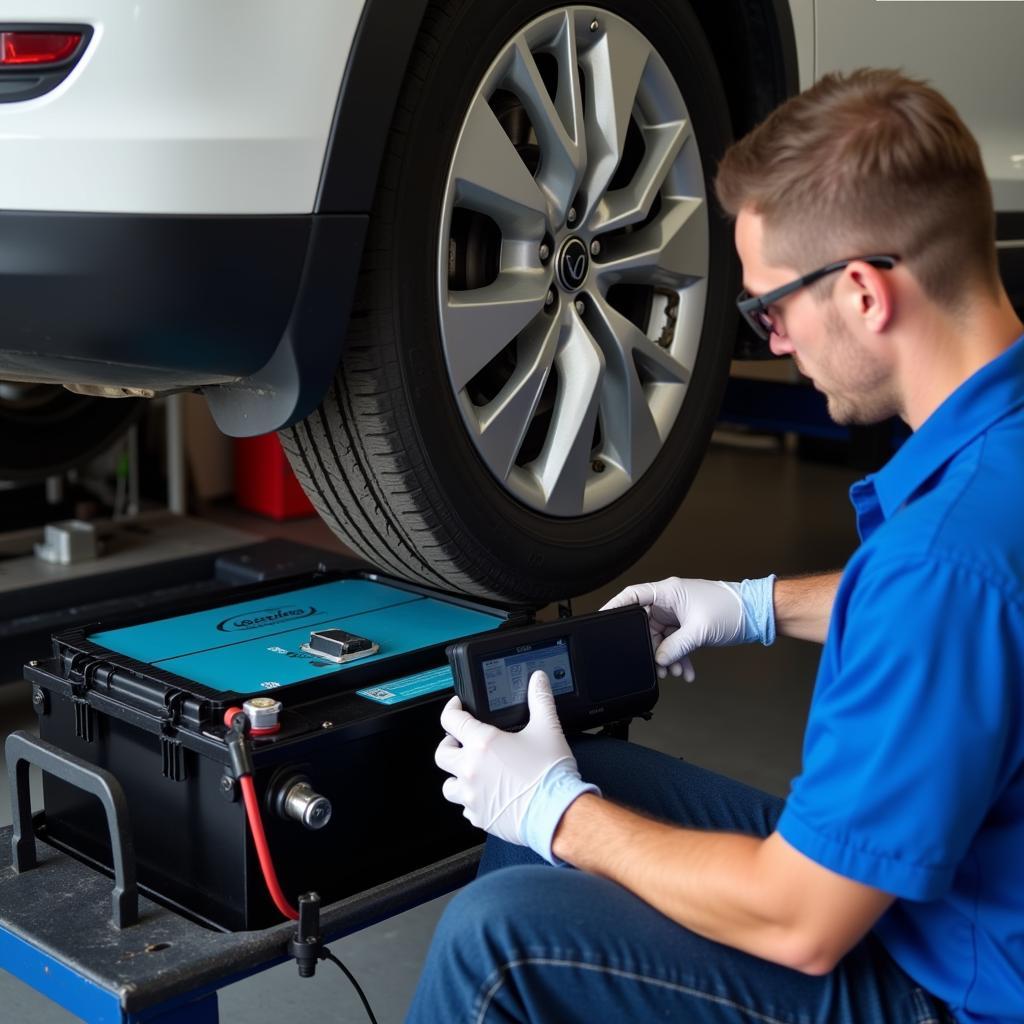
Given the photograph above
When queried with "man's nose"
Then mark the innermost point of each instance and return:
(779, 344)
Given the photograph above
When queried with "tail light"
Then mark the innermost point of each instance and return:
(36, 58)
(34, 49)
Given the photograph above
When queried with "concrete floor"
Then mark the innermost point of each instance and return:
(750, 512)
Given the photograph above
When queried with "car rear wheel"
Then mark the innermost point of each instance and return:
(543, 321)
(45, 430)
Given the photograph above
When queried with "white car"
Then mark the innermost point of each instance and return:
(462, 254)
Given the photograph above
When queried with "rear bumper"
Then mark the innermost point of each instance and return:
(167, 302)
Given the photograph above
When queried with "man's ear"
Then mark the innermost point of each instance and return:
(869, 295)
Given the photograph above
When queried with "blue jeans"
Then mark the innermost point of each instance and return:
(530, 942)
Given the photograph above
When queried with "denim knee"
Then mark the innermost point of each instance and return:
(490, 915)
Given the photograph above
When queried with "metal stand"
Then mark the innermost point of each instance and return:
(24, 749)
(177, 477)
(55, 935)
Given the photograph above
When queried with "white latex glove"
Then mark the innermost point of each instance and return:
(496, 775)
(686, 614)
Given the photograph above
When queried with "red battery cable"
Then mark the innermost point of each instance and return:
(259, 837)
(252, 810)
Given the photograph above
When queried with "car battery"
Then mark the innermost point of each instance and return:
(345, 676)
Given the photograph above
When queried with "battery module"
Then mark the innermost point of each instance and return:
(331, 686)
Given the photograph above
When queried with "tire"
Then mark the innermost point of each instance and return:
(46, 430)
(393, 459)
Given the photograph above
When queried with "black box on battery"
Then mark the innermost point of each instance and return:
(146, 701)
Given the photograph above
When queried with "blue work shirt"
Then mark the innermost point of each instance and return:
(913, 765)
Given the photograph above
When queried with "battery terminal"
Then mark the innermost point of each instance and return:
(264, 715)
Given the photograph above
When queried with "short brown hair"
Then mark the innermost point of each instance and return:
(867, 163)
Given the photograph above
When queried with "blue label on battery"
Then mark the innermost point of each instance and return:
(408, 687)
(257, 645)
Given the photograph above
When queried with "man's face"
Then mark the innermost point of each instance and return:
(857, 384)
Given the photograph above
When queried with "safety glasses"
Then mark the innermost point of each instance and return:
(754, 308)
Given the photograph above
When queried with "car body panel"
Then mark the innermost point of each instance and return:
(188, 107)
(259, 111)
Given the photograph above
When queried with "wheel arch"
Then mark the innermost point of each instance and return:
(757, 63)
(754, 48)
(754, 44)
(366, 104)
(296, 378)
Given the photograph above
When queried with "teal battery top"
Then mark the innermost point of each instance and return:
(255, 646)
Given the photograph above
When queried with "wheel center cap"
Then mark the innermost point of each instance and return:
(572, 264)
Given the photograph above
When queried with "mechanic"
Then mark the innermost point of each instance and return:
(890, 884)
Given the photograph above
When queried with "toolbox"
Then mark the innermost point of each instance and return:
(347, 787)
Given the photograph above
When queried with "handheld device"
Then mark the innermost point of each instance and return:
(601, 668)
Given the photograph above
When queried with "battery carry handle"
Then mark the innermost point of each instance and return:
(23, 749)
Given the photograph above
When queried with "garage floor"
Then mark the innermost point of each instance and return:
(750, 512)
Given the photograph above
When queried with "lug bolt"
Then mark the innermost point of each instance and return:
(595, 248)
(544, 252)
(595, 25)
(571, 215)
(550, 297)
(580, 307)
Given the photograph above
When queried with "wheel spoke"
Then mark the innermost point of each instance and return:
(490, 176)
(569, 94)
(479, 323)
(505, 421)
(660, 364)
(614, 68)
(672, 250)
(564, 463)
(632, 204)
(631, 434)
(560, 130)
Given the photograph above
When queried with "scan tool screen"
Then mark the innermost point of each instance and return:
(507, 674)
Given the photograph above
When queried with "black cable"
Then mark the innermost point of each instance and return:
(328, 955)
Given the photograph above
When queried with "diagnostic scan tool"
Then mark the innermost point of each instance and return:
(601, 669)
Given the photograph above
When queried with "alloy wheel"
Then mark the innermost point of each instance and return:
(573, 261)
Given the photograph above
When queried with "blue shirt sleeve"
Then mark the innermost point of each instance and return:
(913, 724)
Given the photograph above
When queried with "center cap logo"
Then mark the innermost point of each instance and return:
(573, 264)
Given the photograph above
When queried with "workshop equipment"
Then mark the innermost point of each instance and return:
(340, 754)
(600, 667)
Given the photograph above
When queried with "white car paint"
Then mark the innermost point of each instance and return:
(225, 106)
(180, 107)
